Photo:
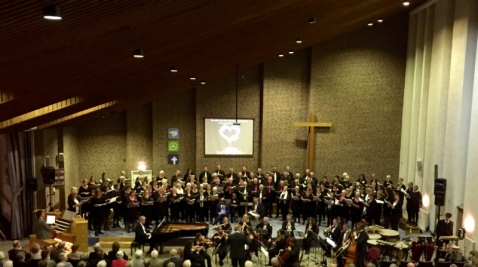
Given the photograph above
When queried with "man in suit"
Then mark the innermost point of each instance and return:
(174, 258)
(245, 196)
(361, 237)
(42, 230)
(236, 243)
(265, 225)
(444, 228)
(288, 224)
(142, 236)
(260, 175)
(206, 174)
(233, 175)
(17, 248)
(275, 175)
(344, 236)
(294, 251)
(245, 172)
(222, 211)
(176, 177)
(271, 194)
(284, 200)
(334, 234)
(257, 208)
(220, 173)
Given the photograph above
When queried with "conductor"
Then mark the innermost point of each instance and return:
(237, 242)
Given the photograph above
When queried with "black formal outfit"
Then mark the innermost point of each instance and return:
(236, 243)
(309, 238)
(203, 206)
(309, 208)
(190, 206)
(220, 241)
(72, 204)
(396, 214)
(372, 209)
(334, 234)
(414, 200)
(387, 211)
(207, 175)
(286, 227)
(387, 184)
(274, 250)
(195, 258)
(284, 201)
(235, 178)
(141, 237)
(233, 208)
(220, 173)
(261, 226)
(174, 204)
(443, 228)
(254, 187)
(296, 205)
(131, 213)
(245, 196)
(271, 198)
(116, 206)
(97, 212)
(378, 213)
(146, 210)
(85, 208)
(203, 252)
(160, 207)
(263, 198)
(212, 206)
(293, 256)
(246, 174)
(228, 190)
(362, 249)
(356, 211)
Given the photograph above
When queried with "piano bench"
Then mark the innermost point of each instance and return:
(135, 246)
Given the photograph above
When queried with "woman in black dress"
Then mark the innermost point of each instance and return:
(73, 201)
(310, 227)
(356, 209)
(387, 211)
(203, 205)
(174, 205)
(296, 204)
(147, 206)
(189, 203)
(97, 202)
(396, 214)
(132, 207)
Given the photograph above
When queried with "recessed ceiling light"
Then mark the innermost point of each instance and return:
(192, 78)
(370, 24)
(380, 20)
(281, 55)
(406, 3)
(312, 20)
(203, 82)
(138, 53)
(299, 41)
(291, 52)
(173, 69)
(52, 12)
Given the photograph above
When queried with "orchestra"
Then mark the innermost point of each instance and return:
(218, 198)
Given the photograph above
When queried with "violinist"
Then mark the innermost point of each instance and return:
(293, 251)
(226, 226)
(192, 253)
(277, 245)
(244, 223)
(220, 240)
(361, 237)
(201, 245)
(310, 227)
(253, 245)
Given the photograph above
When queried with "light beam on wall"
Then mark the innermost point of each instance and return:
(141, 166)
(426, 200)
(469, 224)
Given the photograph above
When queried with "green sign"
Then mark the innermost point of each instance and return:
(173, 146)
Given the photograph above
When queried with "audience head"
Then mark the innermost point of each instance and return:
(187, 263)
(100, 254)
(101, 263)
(138, 254)
(45, 254)
(62, 264)
(173, 252)
(147, 262)
(61, 244)
(129, 264)
(20, 256)
(96, 247)
(237, 228)
(2, 256)
(154, 254)
(393, 265)
(274, 261)
(448, 216)
(409, 264)
(35, 249)
(84, 257)
(75, 247)
(119, 254)
(370, 264)
(16, 244)
(9, 263)
(115, 246)
(42, 263)
(81, 264)
(171, 264)
(62, 256)
(248, 264)
(288, 217)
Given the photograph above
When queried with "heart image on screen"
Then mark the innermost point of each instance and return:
(230, 133)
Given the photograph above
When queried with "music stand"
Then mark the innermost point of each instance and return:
(262, 248)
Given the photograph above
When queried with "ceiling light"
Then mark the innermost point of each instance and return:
(380, 20)
(406, 3)
(52, 12)
(312, 20)
(192, 78)
(291, 52)
(370, 24)
(281, 55)
(299, 41)
(203, 82)
(138, 53)
(173, 69)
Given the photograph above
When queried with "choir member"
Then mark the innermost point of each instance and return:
(378, 213)
(387, 211)
(92, 181)
(336, 181)
(313, 179)
(84, 192)
(216, 182)
(245, 172)
(124, 203)
(271, 195)
(116, 206)
(175, 202)
(205, 174)
(229, 188)
(160, 205)
(188, 174)
(346, 183)
(372, 208)
(262, 196)
(414, 202)
(132, 207)
(154, 186)
(306, 174)
(309, 206)
(97, 202)
(397, 212)
(309, 237)
(220, 240)
(400, 189)
(232, 175)
(73, 201)
(203, 204)
(361, 180)
(161, 178)
(213, 199)
(122, 182)
(321, 209)
(388, 182)
(177, 177)
(189, 201)
(373, 179)
(147, 206)
(344, 209)
(275, 175)
(324, 182)
(245, 197)
(220, 173)
(284, 199)
(106, 209)
(260, 176)
(255, 185)
(296, 204)
(289, 172)
(356, 209)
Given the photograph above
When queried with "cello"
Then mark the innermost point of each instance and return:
(352, 251)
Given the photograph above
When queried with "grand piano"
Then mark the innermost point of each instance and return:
(167, 231)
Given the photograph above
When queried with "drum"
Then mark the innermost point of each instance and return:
(417, 250)
(400, 251)
(428, 250)
(372, 243)
(374, 236)
(389, 235)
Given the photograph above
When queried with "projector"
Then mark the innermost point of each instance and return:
(236, 123)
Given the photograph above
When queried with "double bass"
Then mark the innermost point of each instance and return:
(352, 251)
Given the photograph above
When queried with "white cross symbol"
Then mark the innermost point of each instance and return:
(174, 159)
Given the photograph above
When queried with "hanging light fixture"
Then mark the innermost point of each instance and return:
(52, 12)
(173, 69)
(138, 53)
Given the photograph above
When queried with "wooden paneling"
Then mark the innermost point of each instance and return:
(89, 52)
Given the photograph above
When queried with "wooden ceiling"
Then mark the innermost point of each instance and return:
(61, 72)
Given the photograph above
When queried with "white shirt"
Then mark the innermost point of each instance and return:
(283, 195)
(179, 191)
(142, 226)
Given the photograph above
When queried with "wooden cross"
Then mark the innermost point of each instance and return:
(312, 124)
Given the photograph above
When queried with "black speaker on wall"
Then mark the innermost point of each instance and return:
(440, 186)
(440, 199)
(48, 174)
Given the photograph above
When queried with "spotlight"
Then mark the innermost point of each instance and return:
(281, 55)
(52, 12)
(299, 41)
(370, 24)
(312, 20)
(192, 78)
(291, 52)
(138, 53)
(380, 20)
(173, 69)
(406, 3)
(203, 82)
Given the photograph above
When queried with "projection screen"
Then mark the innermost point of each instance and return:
(224, 138)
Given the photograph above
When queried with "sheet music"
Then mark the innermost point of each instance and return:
(331, 242)
(265, 252)
(379, 201)
(68, 215)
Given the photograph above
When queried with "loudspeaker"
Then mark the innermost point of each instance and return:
(440, 186)
(48, 174)
(32, 184)
(440, 199)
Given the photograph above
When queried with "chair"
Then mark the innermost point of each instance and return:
(373, 254)
(403, 263)
(459, 263)
(136, 245)
(441, 263)
(181, 254)
(425, 263)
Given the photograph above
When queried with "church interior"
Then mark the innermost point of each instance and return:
(355, 113)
